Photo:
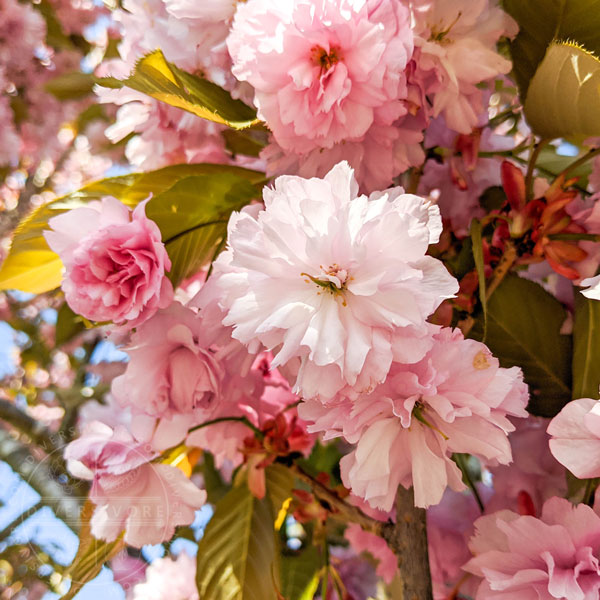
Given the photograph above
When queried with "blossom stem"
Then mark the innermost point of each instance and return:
(580, 161)
(408, 539)
(243, 420)
(338, 508)
(460, 461)
(533, 158)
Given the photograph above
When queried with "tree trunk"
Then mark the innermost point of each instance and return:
(408, 538)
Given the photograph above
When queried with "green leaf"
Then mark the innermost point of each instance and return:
(192, 217)
(155, 76)
(68, 325)
(214, 485)
(524, 323)
(300, 574)
(324, 458)
(71, 86)
(586, 347)
(237, 556)
(249, 142)
(477, 244)
(279, 483)
(540, 22)
(551, 163)
(91, 555)
(564, 95)
(32, 267)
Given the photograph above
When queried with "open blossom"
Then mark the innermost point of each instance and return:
(191, 35)
(456, 399)
(575, 439)
(455, 43)
(147, 500)
(364, 541)
(336, 284)
(169, 578)
(593, 285)
(114, 260)
(321, 71)
(533, 477)
(172, 369)
(555, 557)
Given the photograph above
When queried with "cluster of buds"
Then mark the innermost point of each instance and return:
(281, 437)
(537, 225)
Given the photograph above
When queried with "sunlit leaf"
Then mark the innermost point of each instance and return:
(32, 267)
(564, 95)
(524, 323)
(586, 347)
(236, 556)
(300, 574)
(540, 22)
(192, 216)
(279, 483)
(91, 555)
(155, 76)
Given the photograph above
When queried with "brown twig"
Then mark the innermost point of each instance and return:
(338, 507)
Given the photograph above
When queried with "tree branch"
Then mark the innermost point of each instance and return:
(339, 508)
(408, 539)
(39, 476)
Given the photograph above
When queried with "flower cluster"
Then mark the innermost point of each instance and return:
(353, 307)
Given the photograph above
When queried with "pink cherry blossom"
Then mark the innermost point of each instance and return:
(191, 35)
(259, 395)
(169, 578)
(114, 262)
(147, 500)
(364, 541)
(593, 285)
(575, 439)
(336, 284)
(555, 557)
(449, 527)
(172, 369)
(533, 477)
(321, 71)
(455, 43)
(456, 399)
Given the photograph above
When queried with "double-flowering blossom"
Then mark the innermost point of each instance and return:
(335, 283)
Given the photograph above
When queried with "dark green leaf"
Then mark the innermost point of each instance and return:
(324, 458)
(249, 141)
(493, 198)
(477, 241)
(299, 574)
(214, 485)
(155, 76)
(524, 323)
(68, 325)
(236, 556)
(192, 216)
(586, 347)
